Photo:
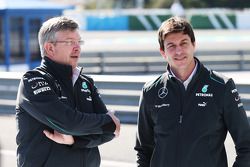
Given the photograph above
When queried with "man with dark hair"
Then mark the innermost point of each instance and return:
(61, 118)
(186, 112)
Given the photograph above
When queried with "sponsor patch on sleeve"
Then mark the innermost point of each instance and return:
(42, 89)
(37, 85)
(237, 97)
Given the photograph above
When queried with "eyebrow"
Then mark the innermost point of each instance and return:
(183, 40)
(170, 43)
(73, 38)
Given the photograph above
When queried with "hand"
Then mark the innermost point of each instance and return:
(116, 121)
(59, 137)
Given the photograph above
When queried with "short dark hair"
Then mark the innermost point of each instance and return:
(174, 25)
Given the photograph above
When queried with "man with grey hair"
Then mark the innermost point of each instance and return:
(61, 118)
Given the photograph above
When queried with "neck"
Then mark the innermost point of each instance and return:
(184, 73)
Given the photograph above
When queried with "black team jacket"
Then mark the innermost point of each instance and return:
(187, 128)
(48, 100)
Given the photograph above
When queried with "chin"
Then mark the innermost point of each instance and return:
(74, 66)
(180, 64)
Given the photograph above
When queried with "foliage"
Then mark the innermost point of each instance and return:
(234, 4)
(109, 4)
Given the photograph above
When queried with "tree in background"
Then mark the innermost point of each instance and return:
(110, 4)
(233, 4)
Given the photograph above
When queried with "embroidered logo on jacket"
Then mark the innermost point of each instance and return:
(35, 78)
(89, 98)
(40, 90)
(204, 88)
(204, 93)
(237, 97)
(39, 84)
(162, 92)
(162, 105)
(203, 104)
(85, 87)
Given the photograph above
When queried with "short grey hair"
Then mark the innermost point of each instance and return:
(51, 27)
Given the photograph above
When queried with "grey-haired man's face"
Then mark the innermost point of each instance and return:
(66, 48)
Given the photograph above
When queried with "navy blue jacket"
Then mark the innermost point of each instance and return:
(187, 128)
(48, 100)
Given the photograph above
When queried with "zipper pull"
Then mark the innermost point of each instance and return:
(180, 120)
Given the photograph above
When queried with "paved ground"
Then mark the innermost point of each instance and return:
(118, 153)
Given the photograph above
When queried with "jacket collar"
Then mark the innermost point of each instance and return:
(170, 75)
(57, 70)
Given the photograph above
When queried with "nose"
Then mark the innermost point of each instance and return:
(76, 44)
(77, 48)
(178, 50)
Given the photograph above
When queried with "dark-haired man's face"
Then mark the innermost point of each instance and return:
(179, 51)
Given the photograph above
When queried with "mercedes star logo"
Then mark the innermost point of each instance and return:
(162, 92)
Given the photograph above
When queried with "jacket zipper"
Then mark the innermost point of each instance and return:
(180, 118)
(182, 94)
(74, 96)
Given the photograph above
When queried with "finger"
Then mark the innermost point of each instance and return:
(57, 133)
(48, 134)
(117, 134)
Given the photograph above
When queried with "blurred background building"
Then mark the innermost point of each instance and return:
(19, 24)
(20, 20)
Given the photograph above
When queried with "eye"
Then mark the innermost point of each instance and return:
(69, 42)
(80, 42)
(184, 43)
(170, 46)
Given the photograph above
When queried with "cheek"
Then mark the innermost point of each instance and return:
(169, 56)
(65, 54)
(191, 52)
(191, 49)
(164, 54)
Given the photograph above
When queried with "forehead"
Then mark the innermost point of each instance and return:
(68, 34)
(176, 37)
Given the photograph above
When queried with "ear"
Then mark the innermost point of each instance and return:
(49, 49)
(163, 54)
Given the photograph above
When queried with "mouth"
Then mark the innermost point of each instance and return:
(180, 58)
(74, 57)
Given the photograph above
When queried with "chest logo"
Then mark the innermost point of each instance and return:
(203, 104)
(162, 105)
(162, 92)
(84, 85)
(204, 88)
(203, 92)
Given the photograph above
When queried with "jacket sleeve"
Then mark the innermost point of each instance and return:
(37, 98)
(145, 135)
(237, 124)
(90, 141)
